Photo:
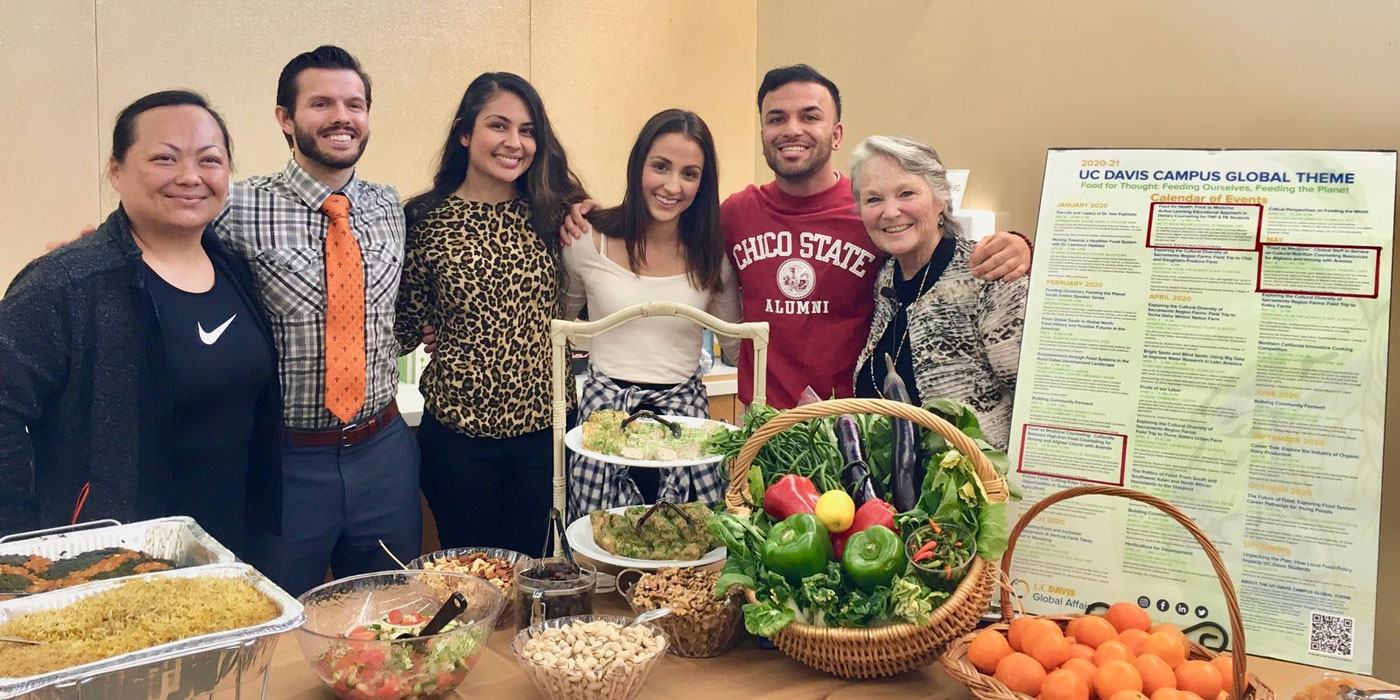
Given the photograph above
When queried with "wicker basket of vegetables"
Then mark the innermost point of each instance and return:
(861, 541)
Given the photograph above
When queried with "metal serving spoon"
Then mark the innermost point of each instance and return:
(650, 615)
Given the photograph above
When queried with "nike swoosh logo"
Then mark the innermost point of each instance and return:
(211, 337)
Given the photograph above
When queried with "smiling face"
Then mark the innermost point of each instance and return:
(174, 177)
(671, 176)
(330, 125)
(899, 210)
(799, 129)
(501, 145)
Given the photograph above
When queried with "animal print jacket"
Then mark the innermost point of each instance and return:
(965, 334)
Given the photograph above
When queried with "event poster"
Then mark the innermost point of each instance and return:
(1210, 327)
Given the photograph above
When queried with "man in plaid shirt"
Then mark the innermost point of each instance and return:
(347, 484)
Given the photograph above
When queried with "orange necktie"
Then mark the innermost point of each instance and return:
(345, 313)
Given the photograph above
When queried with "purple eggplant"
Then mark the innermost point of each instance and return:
(857, 479)
(849, 440)
(906, 478)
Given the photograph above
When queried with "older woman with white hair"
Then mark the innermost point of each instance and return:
(949, 334)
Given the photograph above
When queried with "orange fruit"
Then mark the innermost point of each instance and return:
(1133, 638)
(1050, 650)
(1112, 651)
(1092, 630)
(1064, 685)
(987, 650)
(1155, 672)
(1188, 695)
(1128, 695)
(1115, 677)
(1168, 693)
(1200, 678)
(1037, 629)
(1166, 645)
(1081, 651)
(1226, 666)
(1018, 628)
(1126, 616)
(1169, 627)
(1021, 673)
(1084, 667)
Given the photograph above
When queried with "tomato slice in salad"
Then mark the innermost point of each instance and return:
(363, 632)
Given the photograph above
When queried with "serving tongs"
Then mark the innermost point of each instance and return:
(668, 504)
(673, 426)
(1350, 693)
(456, 604)
(556, 526)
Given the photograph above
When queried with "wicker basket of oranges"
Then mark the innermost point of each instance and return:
(1119, 655)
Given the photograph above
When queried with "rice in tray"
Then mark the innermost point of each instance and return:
(131, 617)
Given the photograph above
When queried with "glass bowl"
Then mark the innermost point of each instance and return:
(365, 669)
(610, 680)
(449, 558)
(937, 573)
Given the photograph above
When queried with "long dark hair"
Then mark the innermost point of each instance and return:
(548, 184)
(699, 230)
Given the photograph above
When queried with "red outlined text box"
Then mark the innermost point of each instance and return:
(1375, 287)
(1122, 455)
(1258, 228)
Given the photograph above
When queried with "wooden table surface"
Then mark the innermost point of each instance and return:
(747, 671)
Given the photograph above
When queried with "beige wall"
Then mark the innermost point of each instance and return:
(992, 85)
(602, 68)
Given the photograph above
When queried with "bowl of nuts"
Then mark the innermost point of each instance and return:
(589, 657)
(496, 566)
(699, 626)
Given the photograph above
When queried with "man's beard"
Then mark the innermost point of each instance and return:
(819, 157)
(306, 144)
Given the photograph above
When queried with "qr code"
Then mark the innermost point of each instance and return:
(1331, 634)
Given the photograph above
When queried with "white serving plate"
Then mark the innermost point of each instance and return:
(574, 441)
(580, 536)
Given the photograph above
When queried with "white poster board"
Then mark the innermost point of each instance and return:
(1211, 327)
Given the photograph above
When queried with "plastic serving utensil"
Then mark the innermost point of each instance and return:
(456, 603)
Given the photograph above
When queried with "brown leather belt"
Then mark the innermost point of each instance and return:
(348, 436)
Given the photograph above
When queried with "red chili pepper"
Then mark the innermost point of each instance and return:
(925, 552)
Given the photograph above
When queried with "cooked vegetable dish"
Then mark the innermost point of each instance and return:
(643, 439)
(665, 534)
(31, 573)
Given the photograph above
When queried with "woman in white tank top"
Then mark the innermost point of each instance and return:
(663, 243)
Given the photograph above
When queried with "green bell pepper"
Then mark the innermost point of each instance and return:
(873, 557)
(797, 547)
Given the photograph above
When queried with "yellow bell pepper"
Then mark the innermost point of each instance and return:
(836, 510)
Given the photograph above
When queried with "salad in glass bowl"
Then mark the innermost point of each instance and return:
(363, 634)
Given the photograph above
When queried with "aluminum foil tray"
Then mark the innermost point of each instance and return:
(185, 668)
(179, 539)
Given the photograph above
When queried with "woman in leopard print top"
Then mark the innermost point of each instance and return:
(482, 268)
(947, 333)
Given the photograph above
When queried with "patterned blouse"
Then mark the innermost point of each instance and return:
(965, 335)
(481, 277)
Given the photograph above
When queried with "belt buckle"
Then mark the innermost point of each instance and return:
(347, 433)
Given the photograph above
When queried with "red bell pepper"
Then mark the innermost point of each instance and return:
(874, 512)
(790, 495)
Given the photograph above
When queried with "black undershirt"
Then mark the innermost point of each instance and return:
(217, 362)
(905, 292)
